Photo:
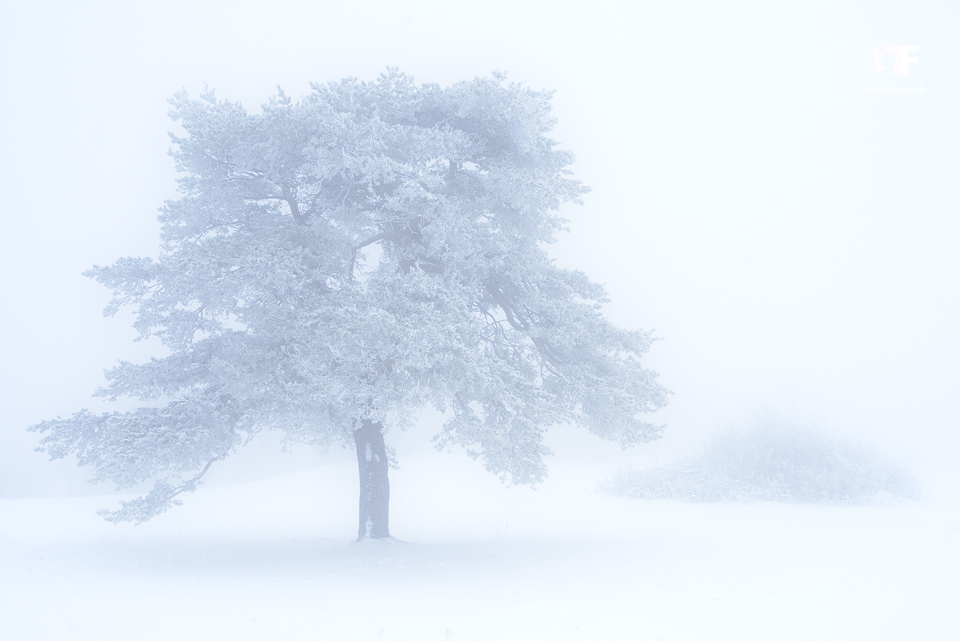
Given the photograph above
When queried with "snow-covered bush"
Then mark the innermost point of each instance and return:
(771, 460)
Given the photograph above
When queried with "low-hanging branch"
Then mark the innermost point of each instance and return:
(161, 498)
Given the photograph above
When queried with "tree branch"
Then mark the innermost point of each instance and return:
(159, 500)
(295, 210)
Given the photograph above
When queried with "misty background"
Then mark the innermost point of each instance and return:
(790, 236)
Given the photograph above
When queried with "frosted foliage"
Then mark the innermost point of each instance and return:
(371, 249)
(773, 460)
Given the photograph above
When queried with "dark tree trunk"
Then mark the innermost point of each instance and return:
(374, 486)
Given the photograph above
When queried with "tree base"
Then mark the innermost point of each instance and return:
(374, 485)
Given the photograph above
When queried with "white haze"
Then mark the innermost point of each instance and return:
(791, 237)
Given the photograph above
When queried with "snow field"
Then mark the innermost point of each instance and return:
(274, 559)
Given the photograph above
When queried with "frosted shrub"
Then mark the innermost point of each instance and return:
(772, 460)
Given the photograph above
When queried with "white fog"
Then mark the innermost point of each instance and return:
(771, 194)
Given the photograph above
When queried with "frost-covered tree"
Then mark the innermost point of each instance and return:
(334, 264)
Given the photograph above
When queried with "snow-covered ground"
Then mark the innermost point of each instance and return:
(274, 559)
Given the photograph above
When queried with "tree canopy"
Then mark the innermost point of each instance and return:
(371, 249)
